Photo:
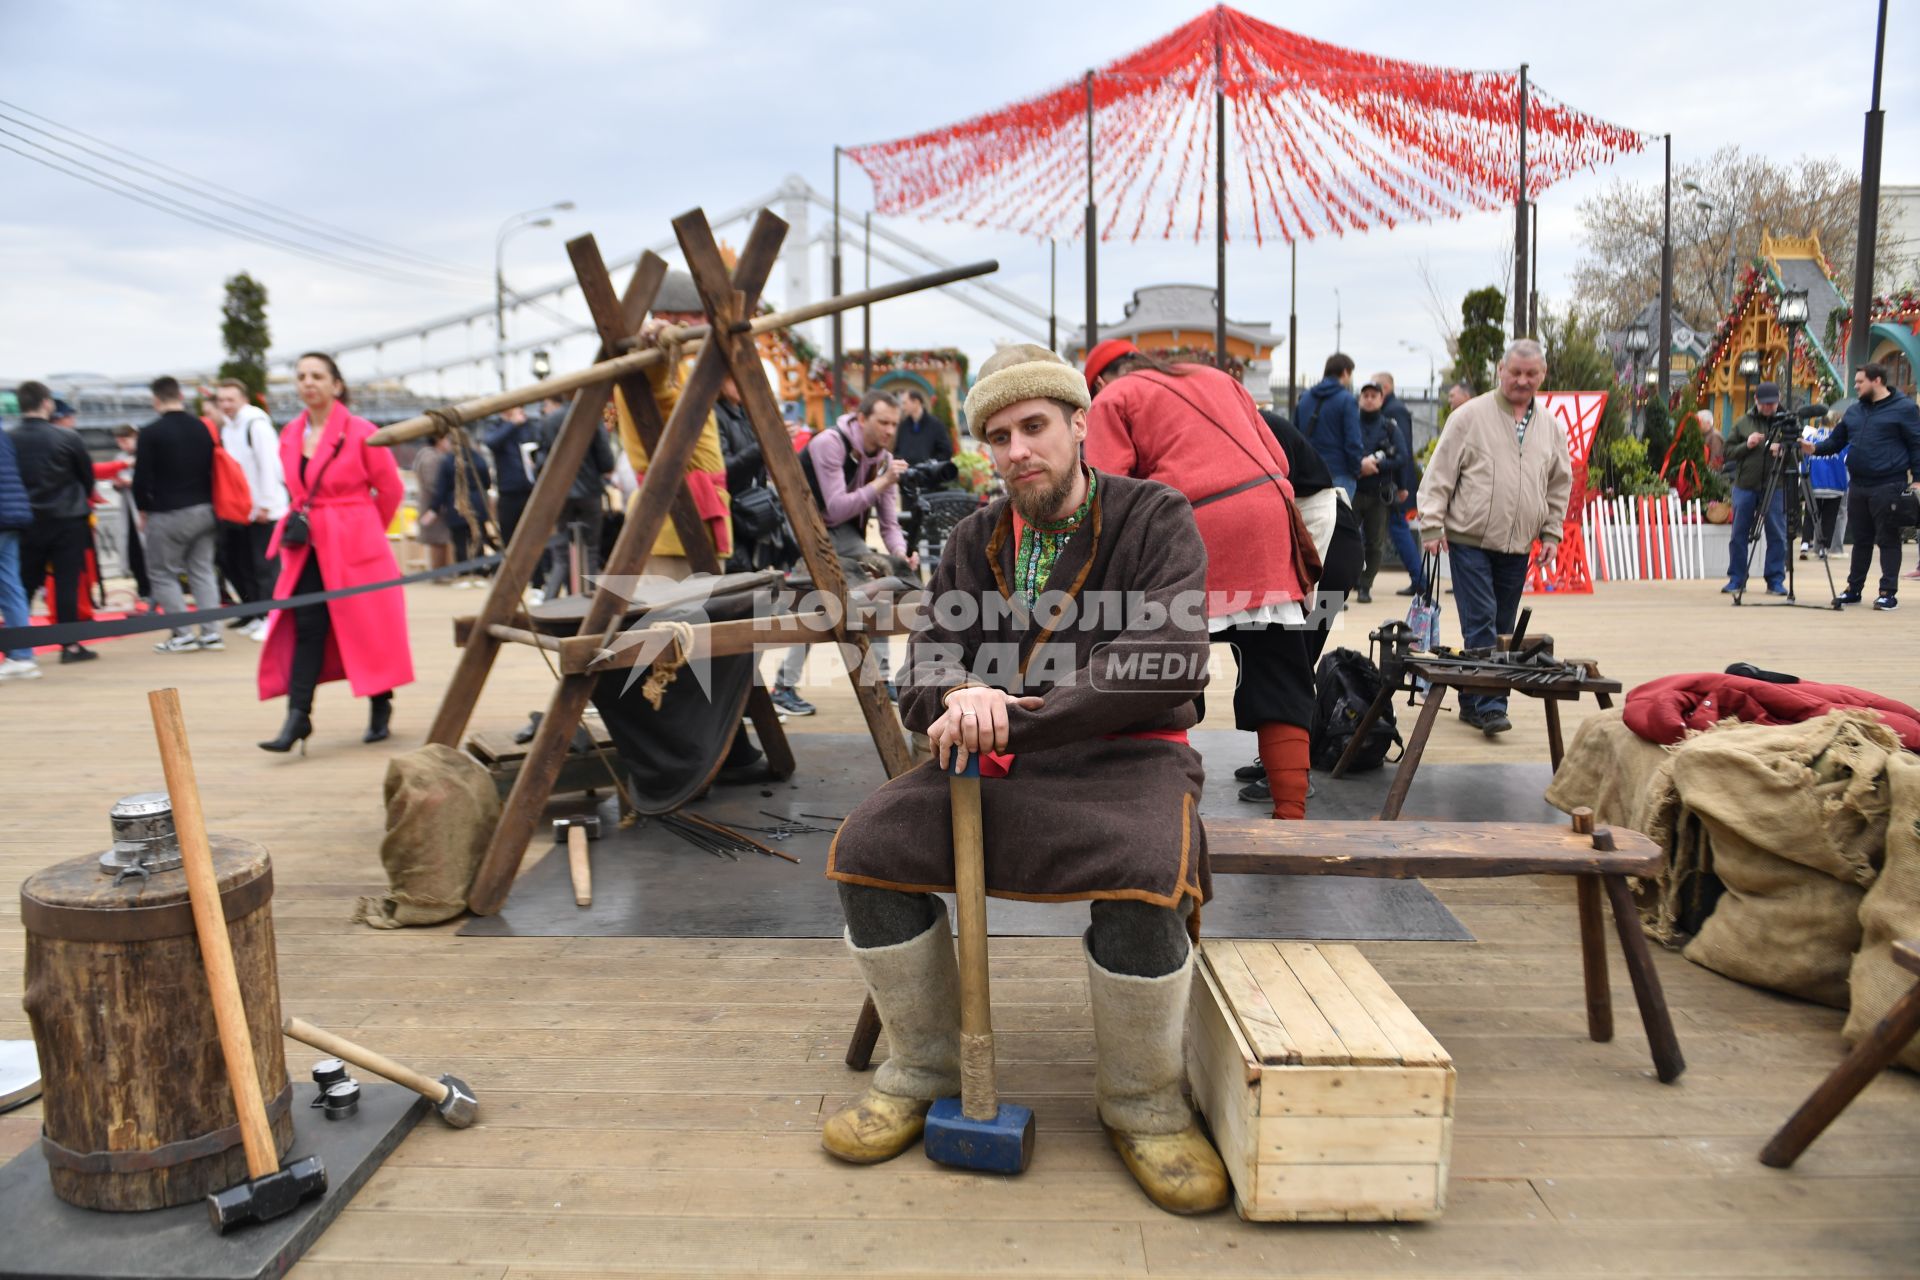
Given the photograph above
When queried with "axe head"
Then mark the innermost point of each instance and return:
(268, 1197)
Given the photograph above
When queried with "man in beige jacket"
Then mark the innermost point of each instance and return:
(1499, 481)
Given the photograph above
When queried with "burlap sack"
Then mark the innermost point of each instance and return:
(1890, 911)
(442, 808)
(1607, 768)
(1793, 818)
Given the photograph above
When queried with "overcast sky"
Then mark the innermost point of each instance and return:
(423, 126)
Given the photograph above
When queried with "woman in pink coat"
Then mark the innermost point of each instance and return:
(348, 491)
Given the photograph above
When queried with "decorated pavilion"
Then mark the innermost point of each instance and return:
(1725, 378)
(1175, 322)
(1893, 336)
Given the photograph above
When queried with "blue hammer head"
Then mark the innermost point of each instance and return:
(1002, 1144)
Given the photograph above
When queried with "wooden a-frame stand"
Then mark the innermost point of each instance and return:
(728, 350)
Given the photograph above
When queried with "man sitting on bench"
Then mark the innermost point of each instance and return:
(1066, 626)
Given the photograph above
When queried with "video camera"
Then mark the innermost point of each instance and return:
(921, 476)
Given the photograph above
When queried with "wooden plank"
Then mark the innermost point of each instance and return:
(1257, 1022)
(1224, 1078)
(1356, 1192)
(1354, 1091)
(1402, 850)
(1365, 1043)
(1311, 1036)
(1352, 1140)
(1413, 1043)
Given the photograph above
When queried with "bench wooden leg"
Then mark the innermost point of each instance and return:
(866, 1034)
(1593, 958)
(1410, 754)
(1375, 709)
(1667, 1060)
(1857, 1070)
(1555, 748)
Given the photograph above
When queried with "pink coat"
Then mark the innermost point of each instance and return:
(367, 644)
(1202, 435)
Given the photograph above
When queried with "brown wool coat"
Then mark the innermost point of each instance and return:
(1086, 812)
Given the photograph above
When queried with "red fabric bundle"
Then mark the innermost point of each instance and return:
(1663, 710)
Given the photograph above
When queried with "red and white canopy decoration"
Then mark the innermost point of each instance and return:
(1323, 140)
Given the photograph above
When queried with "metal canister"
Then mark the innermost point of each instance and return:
(143, 835)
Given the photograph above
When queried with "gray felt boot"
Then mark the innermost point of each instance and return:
(916, 988)
(1139, 1036)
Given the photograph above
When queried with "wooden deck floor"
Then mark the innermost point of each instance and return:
(651, 1106)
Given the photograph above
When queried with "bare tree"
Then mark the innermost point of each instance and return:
(1721, 206)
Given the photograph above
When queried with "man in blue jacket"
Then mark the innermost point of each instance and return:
(1330, 419)
(511, 438)
(1883, 430)
(16, 517)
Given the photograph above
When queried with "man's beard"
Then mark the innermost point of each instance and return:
(1039, 505)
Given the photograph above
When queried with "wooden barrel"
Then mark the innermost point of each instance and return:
(137, 1110)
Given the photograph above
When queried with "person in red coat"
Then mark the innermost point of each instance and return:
(1197, 430)
(347, 490)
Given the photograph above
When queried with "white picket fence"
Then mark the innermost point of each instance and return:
(1634, 539)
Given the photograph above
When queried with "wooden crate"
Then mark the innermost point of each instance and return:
(1328, 1100)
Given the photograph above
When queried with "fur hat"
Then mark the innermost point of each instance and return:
(1022, 371)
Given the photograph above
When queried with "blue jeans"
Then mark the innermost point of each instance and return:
(1349, 483)
(1406, 545)
(13, 592)
(1746, 502)
(1487, 586)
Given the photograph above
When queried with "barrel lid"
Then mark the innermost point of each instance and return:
(71, 899)
(144, 804)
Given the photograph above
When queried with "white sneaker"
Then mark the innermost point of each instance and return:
(19, 669)
(211, 640)
(188, 643)
(257, 629)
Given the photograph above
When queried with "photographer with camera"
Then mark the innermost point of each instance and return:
(1883, 429)
(925, 444)
(1757, 444)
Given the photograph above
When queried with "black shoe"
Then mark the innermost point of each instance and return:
(1258, 793)
(1408, 590)
(1255, 772)
(379, 717)
(298, 725)
(744, 762)
(1886, 604)
(77, 653)
(1849, 596)
(1493, 722)
(1364, 596)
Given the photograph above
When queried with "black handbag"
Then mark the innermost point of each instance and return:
(757, 516)
(294, 530)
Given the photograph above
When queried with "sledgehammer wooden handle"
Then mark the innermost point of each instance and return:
(580, 868)
(380, 1065)
(210, 923)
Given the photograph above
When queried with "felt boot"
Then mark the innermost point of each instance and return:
(1139, 1033)
(916, 988)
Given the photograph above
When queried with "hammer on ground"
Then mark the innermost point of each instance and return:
(976, 1130)
(577, 832)
(450, 1096)
(270, 1190)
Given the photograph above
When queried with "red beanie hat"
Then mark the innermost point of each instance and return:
(1105, 354)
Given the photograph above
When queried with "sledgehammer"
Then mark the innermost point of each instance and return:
(976, 1130)
(452, 1100)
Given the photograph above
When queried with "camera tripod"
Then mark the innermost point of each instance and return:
(1789, 460)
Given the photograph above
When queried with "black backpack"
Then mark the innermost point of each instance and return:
(1346, 684)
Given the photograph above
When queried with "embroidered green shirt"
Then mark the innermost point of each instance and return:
(1040, 546)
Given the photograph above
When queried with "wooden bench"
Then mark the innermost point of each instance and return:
(1856, 1071)
(1329, 1102)
(1599, 860)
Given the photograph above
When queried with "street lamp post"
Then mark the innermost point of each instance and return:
(1707, 205)
(1638, 339)
(511, 227)
(1792, 315)
(1749, 369)
(1432, 365)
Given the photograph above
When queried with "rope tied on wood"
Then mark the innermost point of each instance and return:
(667, 663)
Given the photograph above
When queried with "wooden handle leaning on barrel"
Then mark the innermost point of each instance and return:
(579, 867)
(210, 923)
(380, 1065)
(979, 1098)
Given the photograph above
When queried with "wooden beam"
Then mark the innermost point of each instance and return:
(529, 540)
(1402, 850)
(742, 358)
(645, 515)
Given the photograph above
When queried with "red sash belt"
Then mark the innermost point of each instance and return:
(999, 764)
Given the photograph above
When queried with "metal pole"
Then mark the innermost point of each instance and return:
(1092, 230)
(1293, 326)
(1860, 341)
(1533, 274)
(1053, 294)
(866, 312)
(1520, 221)
(1664, 356)
(1339, 325)
(839, 349)
(500, 311)
(1220, 208)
